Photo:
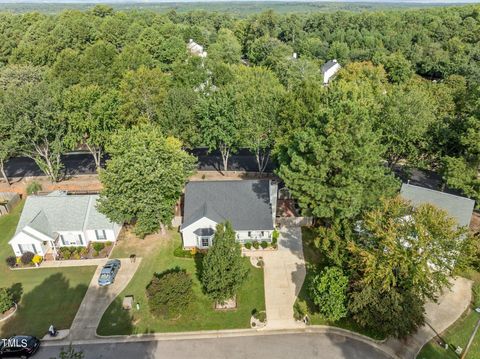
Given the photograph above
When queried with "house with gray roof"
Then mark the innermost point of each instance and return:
(329, 69)
(459, 208)
(250, 205)
(59, 220)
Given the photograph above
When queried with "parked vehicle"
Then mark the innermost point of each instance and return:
(20, 346)
(109, 272)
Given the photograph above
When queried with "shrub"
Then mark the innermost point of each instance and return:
(11, 261)
(264, 244)
(98, 246)
(260, 263)
(170, 293)
(476, 295)
(328, 290)
(260, 316)
(275, 236)
(182, 253)
(6, 300)
(300, 309)
(37, 259)
(27, 257)
(248, 245)
(108, 243)
(33, 187)
(255, 244)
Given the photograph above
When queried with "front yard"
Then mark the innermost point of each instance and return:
(313, 260)
(457, 335)
(157, 253)
(44, 296)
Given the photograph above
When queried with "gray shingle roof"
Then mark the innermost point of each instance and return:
(246, 203)
(328, 65)
(60, 212)
(460, 208)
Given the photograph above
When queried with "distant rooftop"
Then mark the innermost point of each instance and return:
(460, 208)
(329, 64)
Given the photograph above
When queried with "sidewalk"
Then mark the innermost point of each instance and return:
(68, 263)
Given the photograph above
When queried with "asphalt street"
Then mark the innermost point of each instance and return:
(83, 163)
(288, 346)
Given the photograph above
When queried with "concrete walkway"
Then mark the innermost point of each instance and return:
(97, 299)
(284, 273)
(439, 316)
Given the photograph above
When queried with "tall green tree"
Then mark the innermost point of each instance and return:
(144, 178)
(226, 48)
(402, 257)
(219, 124)
(333, 164)
(223, 270)
(91, 116)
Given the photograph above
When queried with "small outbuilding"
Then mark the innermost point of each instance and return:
(329, 69)
(8, 200)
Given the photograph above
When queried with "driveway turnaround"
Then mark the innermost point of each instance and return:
(282, 346)
(97, 299)
(284, 273)
(439, 316)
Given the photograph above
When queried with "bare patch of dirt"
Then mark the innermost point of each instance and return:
(128, 243)
(475, 223)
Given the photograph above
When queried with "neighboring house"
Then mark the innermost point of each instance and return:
(459, 208)
(329, 69)
(195, 49)
(250, 205)
(59, 220)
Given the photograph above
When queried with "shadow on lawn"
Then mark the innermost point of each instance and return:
(117, 320)
(51, 302)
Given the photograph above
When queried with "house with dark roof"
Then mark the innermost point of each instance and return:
(329, 69)
(459, 208)
(250, 205)
(60, 220)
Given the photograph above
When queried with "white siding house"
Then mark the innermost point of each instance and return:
(250, 205)
(329, 69)
(61, 220)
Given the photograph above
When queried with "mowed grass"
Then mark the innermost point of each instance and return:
(157, 254)
(315, 261)
(44, 296)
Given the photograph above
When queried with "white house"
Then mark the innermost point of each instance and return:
(58, 220)
(195, 49)
(250, 205)
(329, 69)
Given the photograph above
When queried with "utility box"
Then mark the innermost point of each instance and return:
(128, 302)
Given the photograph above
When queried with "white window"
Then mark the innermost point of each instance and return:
(80, 239)
(101, 235)
(205, 242)
(262, 234)
(250, 234)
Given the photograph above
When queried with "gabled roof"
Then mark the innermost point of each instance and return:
(61, 212)
(246, 203)
(460, 208)
(329, 64)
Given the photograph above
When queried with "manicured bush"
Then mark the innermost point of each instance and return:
(261, 316)
(248, 245)
(11, 261)
(33, 187)
(108, 243)
(300, 309)
(264, 244)
(275, 236)
(182, 253)
(27, 257)
(37, 259)
(170, 293)
(6, 300)
(255, 244)
(98, 246)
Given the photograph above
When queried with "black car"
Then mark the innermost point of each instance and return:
(20, 346)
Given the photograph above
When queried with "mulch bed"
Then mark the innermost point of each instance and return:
(7, 313)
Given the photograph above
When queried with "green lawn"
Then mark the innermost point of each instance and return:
(47, 296)
(457, 335)
(314, 260)
(158, 256)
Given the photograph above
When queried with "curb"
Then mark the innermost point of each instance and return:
(11, 314)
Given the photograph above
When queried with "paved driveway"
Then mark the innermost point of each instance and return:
(97, 299)
(284, 275)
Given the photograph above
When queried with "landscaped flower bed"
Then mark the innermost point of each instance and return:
(93, 250)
